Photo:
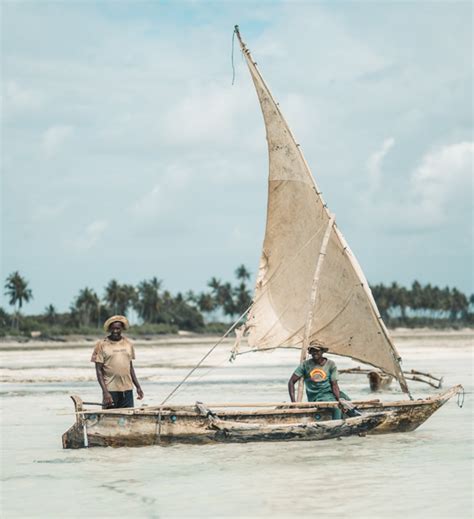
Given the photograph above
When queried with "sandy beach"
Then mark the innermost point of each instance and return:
(189, 339)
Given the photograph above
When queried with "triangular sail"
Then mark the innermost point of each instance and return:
(345, 317)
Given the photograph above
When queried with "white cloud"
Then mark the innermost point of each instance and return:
(162, 197)
(92, 233)
(20, 98)
(438, 192)
(374, 164)
(441, 186)
(205, 115)
(54, 138)
(149, 204)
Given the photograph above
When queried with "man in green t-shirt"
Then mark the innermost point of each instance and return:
(320, 378)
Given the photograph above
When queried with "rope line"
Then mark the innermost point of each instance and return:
(206, 355)
(232, 57)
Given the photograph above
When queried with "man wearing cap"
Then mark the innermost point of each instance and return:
(113, 358)
(320, 377)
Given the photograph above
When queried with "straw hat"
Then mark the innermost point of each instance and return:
(317, 346)
(116, 319)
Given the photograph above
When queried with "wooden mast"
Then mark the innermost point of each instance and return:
(312, 300)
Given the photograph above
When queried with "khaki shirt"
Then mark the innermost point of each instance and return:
(116, 357)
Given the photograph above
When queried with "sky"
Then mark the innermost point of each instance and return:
(127, 153)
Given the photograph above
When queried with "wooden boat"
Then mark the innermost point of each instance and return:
(309, 288)
(253, 422)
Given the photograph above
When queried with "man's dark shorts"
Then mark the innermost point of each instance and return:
(122, 398)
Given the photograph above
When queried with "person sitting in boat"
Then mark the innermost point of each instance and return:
(320, 377)
(113, 358)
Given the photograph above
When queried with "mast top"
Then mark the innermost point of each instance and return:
(237, 32)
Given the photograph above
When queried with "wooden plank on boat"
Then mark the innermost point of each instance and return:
(245, 432)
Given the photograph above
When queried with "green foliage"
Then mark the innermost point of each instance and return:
(153, 329)
(162, 313)
(216, 328)
(86, 308)
(422, 305)
(16, 288)
(120, 298)
(231, 301)
(148, 301)
(50, 315)
(4, 319)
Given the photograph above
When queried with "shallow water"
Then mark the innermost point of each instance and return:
(427, 473)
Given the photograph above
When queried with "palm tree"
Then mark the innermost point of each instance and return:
(148, 300)
(214, 284)
(16, 288)
(50, 314)
(127, 298)
(243, 298)
(206, 304)
(119, 298)
(242, 274)
(459, 304)
(191, 298)
(225, 299)
(416, 296)
(382, 299)
(112, 295)
(87, 306)
(445, 302)
(4, 318)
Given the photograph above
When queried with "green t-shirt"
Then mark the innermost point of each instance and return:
(317, 379)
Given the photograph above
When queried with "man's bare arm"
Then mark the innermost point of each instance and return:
(335, 390)
(107, 399)
(291, 386)
(135, 381)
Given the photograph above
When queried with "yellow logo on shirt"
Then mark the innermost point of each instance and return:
(318, 375)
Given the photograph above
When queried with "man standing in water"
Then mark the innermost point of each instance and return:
(320, 377)
(114, 367)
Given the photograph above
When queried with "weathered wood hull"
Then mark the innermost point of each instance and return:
(145, 430)
(188, 424)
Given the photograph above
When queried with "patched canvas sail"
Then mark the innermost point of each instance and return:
(309, 286)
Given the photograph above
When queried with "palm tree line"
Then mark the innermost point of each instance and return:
(148, 302)
(422, 303)
(159, 311)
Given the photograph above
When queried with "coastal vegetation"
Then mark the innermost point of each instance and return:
(158, 311)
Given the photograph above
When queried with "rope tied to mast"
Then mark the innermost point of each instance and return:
(207, 355)
(236, 29)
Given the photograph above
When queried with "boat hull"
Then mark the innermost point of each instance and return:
(133, 431)
(199, 425)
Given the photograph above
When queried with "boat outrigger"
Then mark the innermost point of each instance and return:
(378, 380)
(309, 288)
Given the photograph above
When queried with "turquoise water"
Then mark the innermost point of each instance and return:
(428, 473)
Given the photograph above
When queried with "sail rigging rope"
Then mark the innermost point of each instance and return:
(232, 55)
(206, 355)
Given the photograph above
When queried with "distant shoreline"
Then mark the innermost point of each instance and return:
(189, 339)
